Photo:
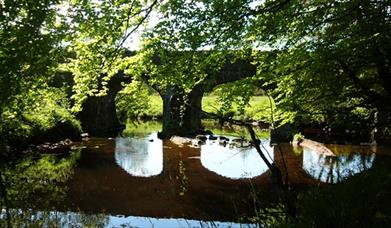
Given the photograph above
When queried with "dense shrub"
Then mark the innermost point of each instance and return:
(38, 116)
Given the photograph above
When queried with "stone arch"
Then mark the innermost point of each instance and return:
(98, 116)
(187, 121)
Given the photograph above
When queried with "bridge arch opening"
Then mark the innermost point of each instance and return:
(99, 114)
(182, 112)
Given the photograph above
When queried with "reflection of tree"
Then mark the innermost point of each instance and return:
(85, 220)
(244, 153)
(333, 169)
(41, 177)
(140, 156)
(4, 200)
(132, 152)
(32, 187)
(356, 202)
(35, 218)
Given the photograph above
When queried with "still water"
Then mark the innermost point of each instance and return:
(138, 180)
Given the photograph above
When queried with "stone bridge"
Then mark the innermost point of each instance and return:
(188, 123)
(99, 118)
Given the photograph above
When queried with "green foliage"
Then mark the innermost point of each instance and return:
(133, 101)
(139, 105)
(233, 130)
(30, 37)
(324, 61)
(273, 216)
(236, 92)
(100, 28)
(164, 67)
(192, 25)
(333, 60)
(298, 137)
(138, 101)
(155, 110)
(257, 108)
(31, 46)
(34, 113)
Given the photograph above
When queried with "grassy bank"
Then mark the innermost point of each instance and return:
(257, 110)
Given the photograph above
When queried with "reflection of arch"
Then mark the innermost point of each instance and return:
(141, 157)
(333, 169)
(99, 186)
(233, 163)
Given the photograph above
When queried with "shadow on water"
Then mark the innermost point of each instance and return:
(139, 180)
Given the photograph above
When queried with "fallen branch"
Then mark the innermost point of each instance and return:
(316, 146)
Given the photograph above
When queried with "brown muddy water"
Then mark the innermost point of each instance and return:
(138, 180)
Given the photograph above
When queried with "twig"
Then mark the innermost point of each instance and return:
(271, 109)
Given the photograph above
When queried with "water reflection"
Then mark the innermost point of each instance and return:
(190, 190)
(234, 162)
(91, 189)
(30, 218)
(34, 218)
(141, 157)
(34, 182)
(333, 169)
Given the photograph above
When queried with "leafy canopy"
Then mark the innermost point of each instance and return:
(31, 32)
(328, 56)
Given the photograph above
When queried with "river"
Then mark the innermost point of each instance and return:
(138, 180)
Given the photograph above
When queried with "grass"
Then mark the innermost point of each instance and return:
(141, 129)
(233, 130)
(155, 109)
(257, 110)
